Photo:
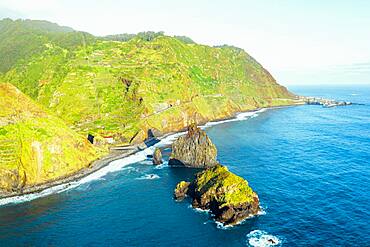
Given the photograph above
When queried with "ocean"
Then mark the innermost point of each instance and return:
(309, 165)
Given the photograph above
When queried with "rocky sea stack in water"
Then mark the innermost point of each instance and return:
(181, 190)
(194, 149)
(225, 194)
(157, 157)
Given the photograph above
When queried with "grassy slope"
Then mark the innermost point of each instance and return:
(35, 146)
(125, 88)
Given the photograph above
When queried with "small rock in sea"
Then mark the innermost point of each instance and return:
(181, 190)
(157, 157)
(271, 241)
(194, 149)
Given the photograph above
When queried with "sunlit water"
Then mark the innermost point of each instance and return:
(310, 166)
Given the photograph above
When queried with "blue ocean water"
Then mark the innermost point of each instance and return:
(310, 166)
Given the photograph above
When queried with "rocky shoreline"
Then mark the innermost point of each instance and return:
(104, 161)
(327, 103)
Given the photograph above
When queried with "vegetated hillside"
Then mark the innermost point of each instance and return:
(152, 81)
(20, 39)
(36, 147)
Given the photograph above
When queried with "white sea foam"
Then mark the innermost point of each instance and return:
(258, 238)
(223, 226)
(116, 165)
(148, 162)
(245, 115)
(161, 166)
(199, 210)
(148, 177)
(220, 225)
(168, 140)
(239, 117)
(262, 211)
(130, 169)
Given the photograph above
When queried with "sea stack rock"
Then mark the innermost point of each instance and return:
(157, 157)
(226, 195)
(194, 149)
(181, 190)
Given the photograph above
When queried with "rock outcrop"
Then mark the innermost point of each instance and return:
(324, 102)
(226, 195)
(181, 190)
(157, 157)
(194, 149)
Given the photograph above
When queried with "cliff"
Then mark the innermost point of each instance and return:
(151, 81)
(36, 147)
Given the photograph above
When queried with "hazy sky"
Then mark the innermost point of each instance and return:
(299, 42)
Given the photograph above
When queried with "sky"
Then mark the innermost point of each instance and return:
(300, 42)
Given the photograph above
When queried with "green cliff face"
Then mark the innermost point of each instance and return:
(36, 147)
(152, 81)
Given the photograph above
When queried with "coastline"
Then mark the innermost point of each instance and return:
(95, 166)
(64, 183)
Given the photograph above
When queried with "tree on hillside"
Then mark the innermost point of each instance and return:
(149, 35)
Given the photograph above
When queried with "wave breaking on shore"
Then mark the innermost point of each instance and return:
(119, 164)
(239, 117)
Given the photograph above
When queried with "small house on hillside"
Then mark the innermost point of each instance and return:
(109, 139)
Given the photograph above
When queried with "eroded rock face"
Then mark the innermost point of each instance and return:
(157, 157)
(194, 149)
(12, 180)
(225, 194)
(181, 190)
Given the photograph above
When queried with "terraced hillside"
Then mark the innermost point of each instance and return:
(36, 147)
(122, 89)
(21, 39)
